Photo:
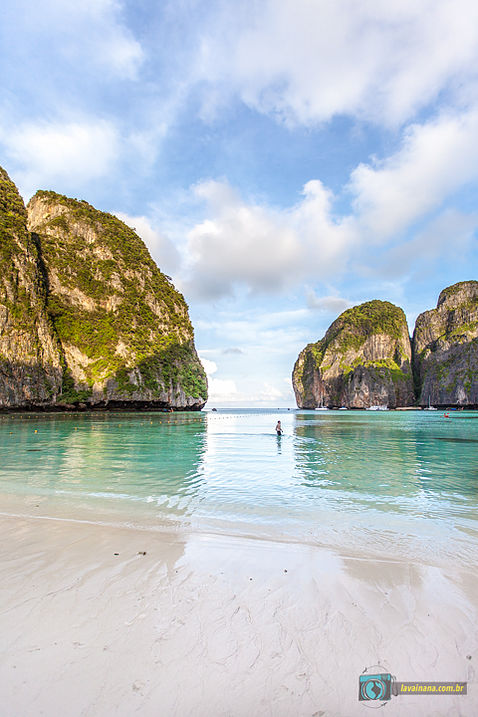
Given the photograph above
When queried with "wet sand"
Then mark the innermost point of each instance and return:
(204, 625)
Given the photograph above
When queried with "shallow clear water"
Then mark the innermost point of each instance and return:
(394, 483)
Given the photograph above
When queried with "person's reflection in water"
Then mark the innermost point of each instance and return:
(279, 443)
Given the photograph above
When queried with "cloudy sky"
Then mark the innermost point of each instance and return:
(282, 159)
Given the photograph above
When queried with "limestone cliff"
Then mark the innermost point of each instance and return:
(445, 348)
(363, 360)
(30, 371)
(86, 316)
(123, 330)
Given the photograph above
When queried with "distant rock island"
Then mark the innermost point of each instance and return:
(363, 360)
(87, 320)
(366, 357)
(445, 343)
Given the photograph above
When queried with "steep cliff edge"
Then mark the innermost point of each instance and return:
(363, 360)
(30, 371)
(445, 348)
(123, 330)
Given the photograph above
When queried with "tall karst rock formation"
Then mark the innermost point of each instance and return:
(30, 371)
(363, 360)
(445, 348)
(87, 318)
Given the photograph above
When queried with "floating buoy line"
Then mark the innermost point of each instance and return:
(106, 423)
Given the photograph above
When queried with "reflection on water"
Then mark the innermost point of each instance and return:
(384, 458)
(104, 462)
(332, 477)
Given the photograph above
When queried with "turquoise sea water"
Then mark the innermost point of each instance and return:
(391, 483)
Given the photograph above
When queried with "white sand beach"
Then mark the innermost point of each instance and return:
(204, 625)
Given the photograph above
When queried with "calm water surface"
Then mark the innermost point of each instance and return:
(391, 483)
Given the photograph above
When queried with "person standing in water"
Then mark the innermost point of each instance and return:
(279, 429)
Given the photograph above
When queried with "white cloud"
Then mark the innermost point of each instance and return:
(223, 391)
(269, 249)
(436, 159)
(266, 338)
(447, 238)
(271, 393)
(162, 249)
(54, 152)
(327, 304)
(90, 34)
(307, 62)
(210, 367)
(262, 247)
(270, 341)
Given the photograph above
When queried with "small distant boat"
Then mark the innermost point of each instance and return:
(321, 408)
(429, 407)
(343, 408)
(377, 408)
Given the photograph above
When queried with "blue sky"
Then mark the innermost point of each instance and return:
(282, 160)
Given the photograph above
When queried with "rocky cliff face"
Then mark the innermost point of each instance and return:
(123, 329)
(86, 317)
(363, 360)
(30, 371)
(445, 348)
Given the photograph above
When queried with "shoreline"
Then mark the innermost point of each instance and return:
(424, 543)
(112, 407)
(101, 407)
(100, 620)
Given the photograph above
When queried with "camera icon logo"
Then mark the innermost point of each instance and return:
(375, 687)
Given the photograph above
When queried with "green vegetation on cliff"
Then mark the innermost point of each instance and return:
(97, 232)
(13, 215)
(86, 315)
(456, 289)
(30, 370)
(350, 331)
(445, 348)
(124, 329)
(356, 325)
(363, 358)
(21, 290)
